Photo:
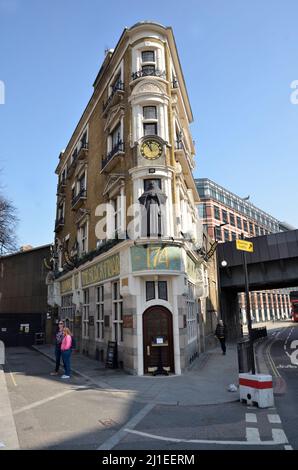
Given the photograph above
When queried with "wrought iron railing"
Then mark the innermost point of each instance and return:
(150, 72)
(81, 195)
(119, 86)
(59, 222)
(119, 147)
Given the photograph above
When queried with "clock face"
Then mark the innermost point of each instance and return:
(151, 149)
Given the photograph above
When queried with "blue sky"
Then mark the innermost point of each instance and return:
(238, 57)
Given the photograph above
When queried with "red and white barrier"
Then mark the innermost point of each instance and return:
(256, 389)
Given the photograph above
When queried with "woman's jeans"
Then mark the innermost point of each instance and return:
(58, 357)
(66, 360)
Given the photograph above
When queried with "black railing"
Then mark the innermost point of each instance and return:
(61, 186)
(119, 86)
(178, 145)
(59, 222)
(150, 72)
(119, 147)
(175, 83)
(80, 195)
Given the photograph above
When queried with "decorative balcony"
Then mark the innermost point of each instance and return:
(83, 151)
(79, 199)
(61, 188)
(111, 159)
(149, 72)
(175, 83)
(117, 89)
(59, 223)
(78, 155)
(183, 156)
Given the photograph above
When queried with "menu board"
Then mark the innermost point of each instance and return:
(111, 358)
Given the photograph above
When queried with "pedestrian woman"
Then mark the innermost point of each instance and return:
(58, 342)
(66, 352)
(220, 333)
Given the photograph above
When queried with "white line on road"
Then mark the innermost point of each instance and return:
(207, 441)
(1, 444)
(46, 400)
(252, 435)
(279, 435)
(274, 419)
(116, 438)
(288, 447)
(13, 379)
(250, 417)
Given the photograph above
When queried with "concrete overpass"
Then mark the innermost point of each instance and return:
(272, 265)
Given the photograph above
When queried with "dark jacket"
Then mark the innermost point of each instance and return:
(220, 331)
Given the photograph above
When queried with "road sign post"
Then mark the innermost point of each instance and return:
(246, 246)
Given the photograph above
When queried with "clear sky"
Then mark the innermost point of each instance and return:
(238, 57)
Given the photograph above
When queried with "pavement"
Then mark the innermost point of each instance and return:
(206, 383)
(8, 434)
(101, 408)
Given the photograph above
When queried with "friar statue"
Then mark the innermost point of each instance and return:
(153, 200)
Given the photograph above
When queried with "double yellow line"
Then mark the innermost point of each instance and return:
(270, 360)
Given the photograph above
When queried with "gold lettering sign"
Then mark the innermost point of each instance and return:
(66, 285)
(106, 269)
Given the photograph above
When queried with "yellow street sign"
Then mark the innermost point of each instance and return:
(243, 245)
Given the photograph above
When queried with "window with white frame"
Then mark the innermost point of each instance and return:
(116, 215)
(99, 321)
(150, 120)
(117, 313)
(148, 62)
(67, 310)
(115, 140)
(83, 237)
(191, 317)
(86, 313)
(81, 183)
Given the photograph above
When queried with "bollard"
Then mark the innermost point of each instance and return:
(256, 389)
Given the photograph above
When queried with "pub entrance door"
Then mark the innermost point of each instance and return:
(158, 338)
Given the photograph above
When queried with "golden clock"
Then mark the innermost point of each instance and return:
(151, 149)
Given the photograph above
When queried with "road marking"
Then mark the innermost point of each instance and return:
(252, 435)
(276, 441)
(46, 400)
(1, 444)
(13, 379)
(118, 436)
(279, 436)
(288, 447)
(250, 417)
(274, 419)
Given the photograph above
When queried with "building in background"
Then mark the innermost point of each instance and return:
(23, 296)
(144, 284)
(225, 217)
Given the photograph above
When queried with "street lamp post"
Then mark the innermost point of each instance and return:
(251, 346)
(217, 270)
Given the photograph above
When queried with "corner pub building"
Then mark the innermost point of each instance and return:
(127, 264)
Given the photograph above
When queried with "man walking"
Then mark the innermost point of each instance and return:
(59, 339)
(220, 333)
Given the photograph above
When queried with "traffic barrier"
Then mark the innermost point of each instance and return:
(256, 389)
(257, 333)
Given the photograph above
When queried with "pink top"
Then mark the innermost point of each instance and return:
(66, 343)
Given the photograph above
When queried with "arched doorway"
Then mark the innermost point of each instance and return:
(158, 322)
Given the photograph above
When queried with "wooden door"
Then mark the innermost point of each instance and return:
(157, 321)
